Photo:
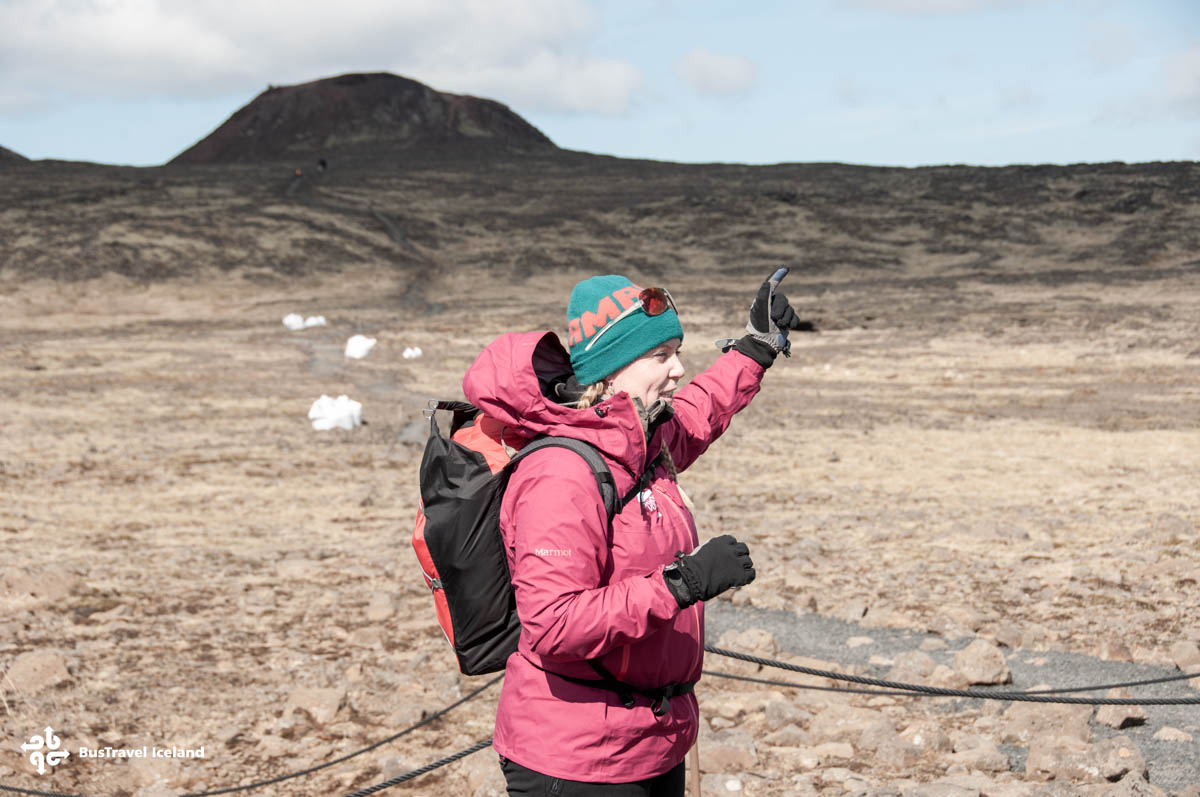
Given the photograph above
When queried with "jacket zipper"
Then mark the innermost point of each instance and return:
(694, 609)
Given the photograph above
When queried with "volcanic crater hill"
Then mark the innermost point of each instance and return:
(363, 116)
(8, 156)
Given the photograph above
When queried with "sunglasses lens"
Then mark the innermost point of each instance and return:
(655, 301)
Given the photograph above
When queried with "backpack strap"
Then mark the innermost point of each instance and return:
(604, 477)
(643, 481)
(464, 414)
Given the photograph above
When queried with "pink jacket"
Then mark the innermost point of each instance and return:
(582, 593)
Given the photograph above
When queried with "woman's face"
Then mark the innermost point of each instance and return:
(651, 377)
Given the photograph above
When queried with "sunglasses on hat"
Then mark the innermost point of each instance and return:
(654, 301)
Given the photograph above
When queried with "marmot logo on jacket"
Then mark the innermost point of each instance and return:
(552, 551)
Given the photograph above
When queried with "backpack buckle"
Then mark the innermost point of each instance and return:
(661, 706)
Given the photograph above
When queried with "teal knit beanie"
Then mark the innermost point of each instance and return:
(593, 304)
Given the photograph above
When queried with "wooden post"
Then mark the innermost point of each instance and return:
(693, 766)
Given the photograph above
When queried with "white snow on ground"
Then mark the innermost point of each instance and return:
(412, 352)
(359, 346)
(295, 321)
(340, 413)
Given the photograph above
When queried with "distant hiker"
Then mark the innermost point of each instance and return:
(321, 165)
(600, 689)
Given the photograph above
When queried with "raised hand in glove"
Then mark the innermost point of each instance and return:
(771, 318)
(717, 565)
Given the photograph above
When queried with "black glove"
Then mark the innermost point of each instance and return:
(706, 572)
(771, 318)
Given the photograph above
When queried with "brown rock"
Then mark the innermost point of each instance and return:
(944, 677)
(717, 784)
(876, 735)
(37, 671)
(1118, 758)
(1056, 757)
(913, 667)
(897, 754)
(729, 750)
(1069, 759)
(320, 704)
(754, 641)
(483, 775)
(1008, 634)
(1113, 650)
(829, 751)
(1186, 656)
(788, 736)
(979, 753)
(1023, 722)
(842, 723)
(275, 747)
(927, 736)
(1136, 786)
(380, 608)
(1120, 716)
(982, 662)
(46, 585)
(780, 713)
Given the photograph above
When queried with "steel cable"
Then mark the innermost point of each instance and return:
(933, 691)
(893, 688)
(387, 784)
(310, 770)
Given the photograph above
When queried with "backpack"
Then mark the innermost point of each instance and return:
(458, 542)
(457, 535)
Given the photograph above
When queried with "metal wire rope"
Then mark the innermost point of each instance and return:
(1049, 691)
(895, 688)
(427, 768)
(310, 770)
(934, 691)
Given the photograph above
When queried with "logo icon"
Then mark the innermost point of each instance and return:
(646, 497)
(48, 742)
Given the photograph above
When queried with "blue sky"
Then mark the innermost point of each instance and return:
(882, 82)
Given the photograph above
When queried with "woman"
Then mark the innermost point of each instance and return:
(598, 698)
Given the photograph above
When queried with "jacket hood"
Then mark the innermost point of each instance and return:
(513, 380)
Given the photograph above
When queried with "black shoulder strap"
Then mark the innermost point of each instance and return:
(643, 482)
(604, 477)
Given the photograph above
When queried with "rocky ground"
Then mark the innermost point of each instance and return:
(982, 466)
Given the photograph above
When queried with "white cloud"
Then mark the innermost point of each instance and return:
(1181, 84)
(1111, 45)
(938, 6)
(715, 73)
(1018, 97)
(531, 50)
(544, 81)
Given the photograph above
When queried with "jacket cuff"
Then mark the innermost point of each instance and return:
(762, 353)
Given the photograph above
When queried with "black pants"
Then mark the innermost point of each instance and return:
(523, 782)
